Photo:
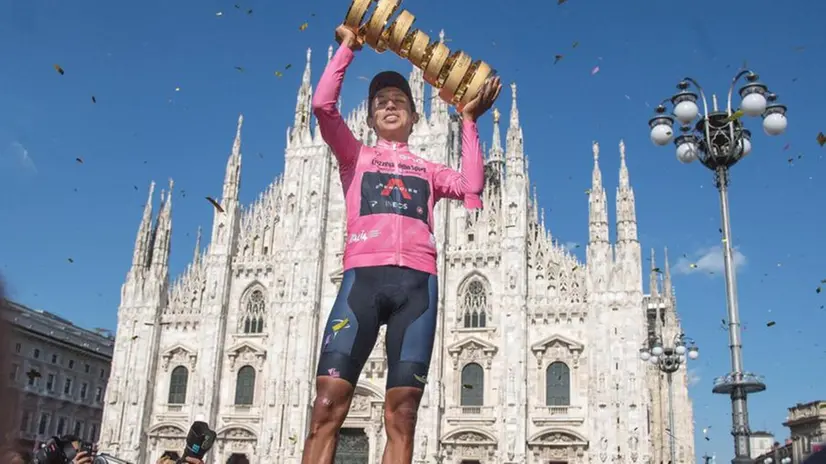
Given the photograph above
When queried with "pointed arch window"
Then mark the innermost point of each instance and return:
(245, 386)
(558, 384)
(474, 304)
(178, 382)
(254, 313)
(473, 385)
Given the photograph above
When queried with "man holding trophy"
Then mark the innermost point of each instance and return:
(390, 258)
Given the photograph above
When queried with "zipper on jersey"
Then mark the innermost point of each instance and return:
(398, 216)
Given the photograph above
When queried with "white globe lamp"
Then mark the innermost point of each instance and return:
(753, 104)
(653, 359)
(680, 349)
(645, 355)
(661, 134)
(686, 111)
(687, 152)
(775, 123)
(657, 350)
(693, 354)
(682, 359)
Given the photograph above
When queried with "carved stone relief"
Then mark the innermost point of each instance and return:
(246, 354)
(179, 356)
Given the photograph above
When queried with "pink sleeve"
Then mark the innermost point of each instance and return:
(334, 130)
(468, 184)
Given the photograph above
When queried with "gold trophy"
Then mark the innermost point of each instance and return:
(458, 78)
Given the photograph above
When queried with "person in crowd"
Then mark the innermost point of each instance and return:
(390, 254)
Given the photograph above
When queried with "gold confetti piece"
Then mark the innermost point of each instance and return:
(279, 74)
(587, 191)
(239, 69)
(79, 160)
(735, 116)
(595, 70)
(575, 45)
(657, 270)
(692, 266)
(770, 323)
(821, 139)
(288, 67)
(303, 27)
(215, 204)
(219, 14)
(177, 89)
(557, 58)
(94, 100)
(71, 260)
(249, 12)
(59, 69)
(467, 386)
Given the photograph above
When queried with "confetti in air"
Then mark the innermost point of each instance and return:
(215, 204)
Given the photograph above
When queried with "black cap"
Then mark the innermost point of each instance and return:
(386, 79)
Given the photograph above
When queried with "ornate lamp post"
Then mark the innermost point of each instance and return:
(719, 140)
(668, 360)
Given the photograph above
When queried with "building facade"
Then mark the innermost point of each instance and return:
(536, 357)
(807, 434)
(61, 372)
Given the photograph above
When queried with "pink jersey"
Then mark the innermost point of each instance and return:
(389, 191)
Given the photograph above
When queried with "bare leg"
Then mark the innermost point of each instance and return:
(401, 408)
(332, 402)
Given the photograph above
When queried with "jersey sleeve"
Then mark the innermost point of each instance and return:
(467, 183)
(333, 129)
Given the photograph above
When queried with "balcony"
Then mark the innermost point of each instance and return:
(471, 415)
(544, 416)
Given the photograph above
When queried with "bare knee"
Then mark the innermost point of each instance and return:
(330, 407)
(400, 419)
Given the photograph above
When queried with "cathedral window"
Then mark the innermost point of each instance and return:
(252, 319)
(474, 303)
(245, 386)
(178, 382)
(558, 385)
(473, 385)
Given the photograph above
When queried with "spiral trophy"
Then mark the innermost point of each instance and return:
(458, 78)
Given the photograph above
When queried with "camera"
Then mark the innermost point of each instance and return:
(199, 441)
(62, 450)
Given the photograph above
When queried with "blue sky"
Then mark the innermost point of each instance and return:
(131, 56)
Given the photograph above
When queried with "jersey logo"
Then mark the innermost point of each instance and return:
(396, 184)
(388, 193)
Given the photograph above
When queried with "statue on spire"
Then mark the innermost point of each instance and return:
(595, 148)
(622, 149)
(496, 115)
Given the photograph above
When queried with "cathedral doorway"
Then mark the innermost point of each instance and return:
(238, 458)
(353, 447)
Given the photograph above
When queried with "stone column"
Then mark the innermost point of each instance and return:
(372, 441)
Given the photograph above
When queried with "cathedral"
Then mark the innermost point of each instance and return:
(536, 357)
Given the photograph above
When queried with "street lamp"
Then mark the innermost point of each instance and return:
(781, 456)
(719, 140)
(668, 360)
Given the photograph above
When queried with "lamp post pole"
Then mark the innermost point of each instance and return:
(719, 141)
(668, 360)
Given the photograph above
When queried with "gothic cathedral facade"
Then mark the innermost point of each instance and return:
(537, 354)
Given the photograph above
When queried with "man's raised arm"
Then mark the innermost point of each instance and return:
(325, 108)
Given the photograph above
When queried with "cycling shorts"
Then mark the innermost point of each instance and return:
(406, 300)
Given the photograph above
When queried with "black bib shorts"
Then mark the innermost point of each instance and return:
(406, 300)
